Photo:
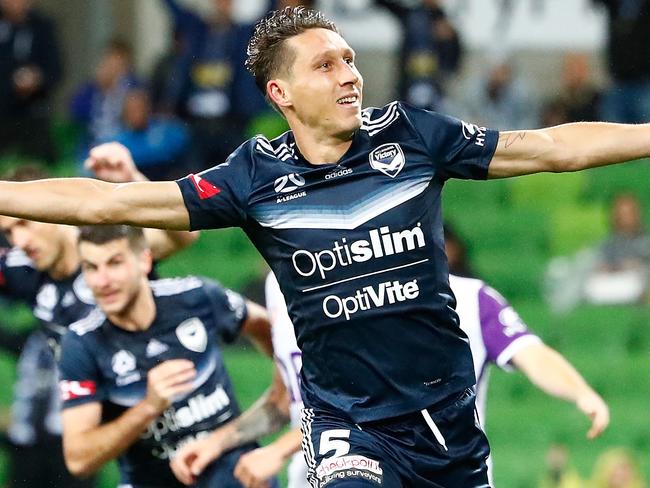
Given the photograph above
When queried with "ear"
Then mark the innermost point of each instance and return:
(146, 261)
(278, 92)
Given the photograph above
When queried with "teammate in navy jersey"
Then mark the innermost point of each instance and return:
(345, 208)
(42, 270)
(142, 374)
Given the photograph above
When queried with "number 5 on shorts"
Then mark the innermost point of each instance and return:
(332, 440)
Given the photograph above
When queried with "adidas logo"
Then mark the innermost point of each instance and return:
(155, 347)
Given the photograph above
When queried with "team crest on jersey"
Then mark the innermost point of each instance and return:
(192, 335)
(388, 158)
(123, 362)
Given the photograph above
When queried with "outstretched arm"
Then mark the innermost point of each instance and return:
(79, 201)
(568, 147)
(552, 373)
(266, 416)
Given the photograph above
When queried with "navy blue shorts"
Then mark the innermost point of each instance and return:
(443, 446)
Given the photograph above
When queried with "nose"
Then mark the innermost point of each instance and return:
(349, 74)
(101, 278)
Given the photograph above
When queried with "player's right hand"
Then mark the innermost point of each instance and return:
(594, 407)
(169, 380)
(191, 459)
(113, 162)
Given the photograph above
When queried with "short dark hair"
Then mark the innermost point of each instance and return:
(102, 234)
(266, 54)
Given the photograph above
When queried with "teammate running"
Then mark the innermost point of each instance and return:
(142, 374)
(42, 270)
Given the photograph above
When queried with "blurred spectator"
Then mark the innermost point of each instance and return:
(30, 69)
(97, 105)
(617, 468)
(168, 80)
(218, 96)
(628, 60)
(559, 473)
(616, 271)
(578, 99)
(430, 52)
(159, 145)
(499, 98)
(623, 266)
(578, 92)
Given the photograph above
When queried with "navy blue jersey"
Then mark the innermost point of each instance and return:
(104, 363)
(357, 247)
(55, 303)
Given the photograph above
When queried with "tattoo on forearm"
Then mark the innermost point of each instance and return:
(266, 420)
(262, 418)
(513, 138)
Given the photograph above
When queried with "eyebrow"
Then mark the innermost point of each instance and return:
(332, 52)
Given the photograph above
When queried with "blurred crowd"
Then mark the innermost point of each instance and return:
(198, 102)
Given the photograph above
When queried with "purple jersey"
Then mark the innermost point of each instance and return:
(495, 330)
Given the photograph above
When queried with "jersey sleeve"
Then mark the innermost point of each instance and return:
(504, 332)
(80, 380)
(19, 278)
(458, 149)
(229, 309)
(218, 197)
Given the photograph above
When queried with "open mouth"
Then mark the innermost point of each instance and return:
(348, 100)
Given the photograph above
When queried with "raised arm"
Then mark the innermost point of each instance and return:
(568, 147)
(553, 374)
(80, 201)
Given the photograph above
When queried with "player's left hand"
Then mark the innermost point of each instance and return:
(256, 467)
(594, 407)
(113, 162)
(191, 459)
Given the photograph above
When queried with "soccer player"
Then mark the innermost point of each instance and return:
(142, 373)
(42, 270)
(497, 335)
(345, 208)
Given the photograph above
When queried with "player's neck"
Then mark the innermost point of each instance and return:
(139, 313)
(319, 148)
(68, 261)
